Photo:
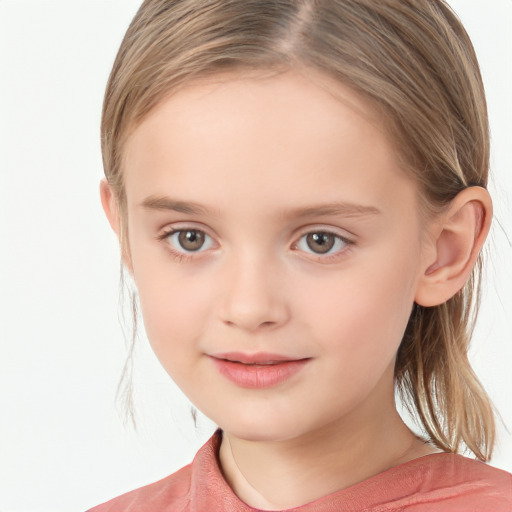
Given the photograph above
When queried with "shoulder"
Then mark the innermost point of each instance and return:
(194, 487)
(169, 494)
(453, 482)
(441, 482)
(457, 469)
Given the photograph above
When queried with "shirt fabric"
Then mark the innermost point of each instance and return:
(442, 482)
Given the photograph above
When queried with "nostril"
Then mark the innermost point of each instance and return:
(252, 306)
(268, 324)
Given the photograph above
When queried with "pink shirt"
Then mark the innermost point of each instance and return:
(440, 482)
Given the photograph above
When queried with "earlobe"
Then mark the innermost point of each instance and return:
(461, 233)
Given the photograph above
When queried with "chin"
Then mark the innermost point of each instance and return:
(261, 429)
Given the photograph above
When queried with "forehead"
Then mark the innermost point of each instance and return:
(287, 133)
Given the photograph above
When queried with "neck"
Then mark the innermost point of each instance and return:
(289, 473)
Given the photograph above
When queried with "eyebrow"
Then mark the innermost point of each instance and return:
(329, 209)
(167, 203)
(332, 209)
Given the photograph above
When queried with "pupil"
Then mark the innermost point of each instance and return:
(191, 240)
(320, 242)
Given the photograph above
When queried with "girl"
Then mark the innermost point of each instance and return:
(299, 191)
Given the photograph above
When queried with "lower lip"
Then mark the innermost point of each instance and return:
(258, 376)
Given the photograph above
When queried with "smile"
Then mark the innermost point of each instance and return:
(257, 371)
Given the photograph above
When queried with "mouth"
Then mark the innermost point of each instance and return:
(261, 370)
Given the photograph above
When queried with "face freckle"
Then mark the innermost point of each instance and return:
(303, 242)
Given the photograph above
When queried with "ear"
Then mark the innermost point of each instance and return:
(111, 208)
(457, 238)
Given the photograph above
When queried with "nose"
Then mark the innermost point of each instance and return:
(253, 295)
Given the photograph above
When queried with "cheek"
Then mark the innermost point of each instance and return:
(171, 312)
(174, 305)
(175, 320)
(361, 313)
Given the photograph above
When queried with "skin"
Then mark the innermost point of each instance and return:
(250, 153)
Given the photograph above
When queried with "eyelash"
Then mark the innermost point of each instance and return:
(326, 257)
(183, 256)
(180, 256)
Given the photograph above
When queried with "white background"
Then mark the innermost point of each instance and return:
(63, 446)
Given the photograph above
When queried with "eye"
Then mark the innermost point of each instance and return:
(188, 240)
(321, 242)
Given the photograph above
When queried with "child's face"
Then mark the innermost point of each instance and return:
(295, 235)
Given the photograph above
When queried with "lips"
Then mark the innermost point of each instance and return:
(261, 370)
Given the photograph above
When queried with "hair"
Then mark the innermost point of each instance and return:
(412, 60)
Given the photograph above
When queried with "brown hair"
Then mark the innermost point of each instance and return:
(415, 62)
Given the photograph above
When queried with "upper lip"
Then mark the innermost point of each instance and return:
(257, 358)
